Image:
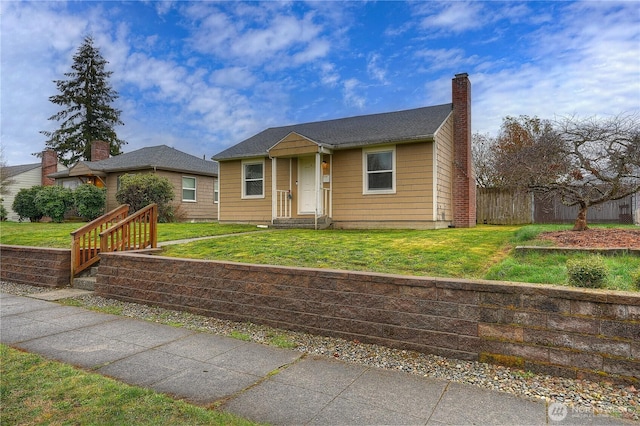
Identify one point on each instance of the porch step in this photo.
(85, 283)
(87, 279)
(301, 223)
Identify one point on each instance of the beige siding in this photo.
(444, 172)
(235, 209)
(412, 202)
(293, 145)
(203, 209)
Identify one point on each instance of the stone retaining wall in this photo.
(46, 267)
(555, 330)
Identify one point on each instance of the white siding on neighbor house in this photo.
(24, 180)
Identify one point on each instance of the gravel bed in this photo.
(586, 396)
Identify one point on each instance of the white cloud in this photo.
(351, 96)
(374, 69)
(457, 16)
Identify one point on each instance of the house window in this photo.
(379, 171)
(188, 188)
(216, 190)
(253, 179)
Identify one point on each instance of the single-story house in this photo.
(404, 169)
(25, 176)
(194, 179)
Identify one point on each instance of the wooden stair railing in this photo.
(136, 232)
(85, 241)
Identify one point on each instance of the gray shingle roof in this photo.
(391, 127)
(159, 157)
(11, 171)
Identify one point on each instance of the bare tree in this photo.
(585, 162)
(5, 179)
(483, 149)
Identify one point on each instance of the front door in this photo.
(306, 185)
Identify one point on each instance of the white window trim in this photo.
(254, 161)
(194, 189)
(365, 175)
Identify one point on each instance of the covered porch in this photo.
(301, 183)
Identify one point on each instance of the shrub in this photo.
(590, 272)
(25, 206)
(3, 212)
(54, 201)
(140, 190)
(635, 279)
(90, 201)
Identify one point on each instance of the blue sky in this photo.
(201, 76)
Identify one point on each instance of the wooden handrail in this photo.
(85, 241)
(136, 232)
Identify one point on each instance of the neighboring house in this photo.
(26, 176)
(405, 169)
(195, 180)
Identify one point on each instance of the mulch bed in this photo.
(595, 238)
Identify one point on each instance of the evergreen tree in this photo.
(87, 114)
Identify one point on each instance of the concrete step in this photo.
(85, 283)
(301, 223)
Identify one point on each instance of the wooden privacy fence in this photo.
(114, 231)
(496, 206)
(503, 207)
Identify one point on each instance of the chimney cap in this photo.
(462, 75)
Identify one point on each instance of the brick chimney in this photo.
(464, 186)
(49, 165)
(99, 150)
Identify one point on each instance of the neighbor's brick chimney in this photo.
(99, 150)
(464, 186)
(49, 165)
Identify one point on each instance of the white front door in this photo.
(306, 185)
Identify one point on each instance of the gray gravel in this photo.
(617, 400)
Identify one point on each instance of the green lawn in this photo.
(57, 235)
(35, 391)
(483, 252)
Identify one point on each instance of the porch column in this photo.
(274, 188)
(318, 183)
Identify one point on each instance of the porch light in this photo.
(325, 167)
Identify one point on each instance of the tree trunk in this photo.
(581, 220)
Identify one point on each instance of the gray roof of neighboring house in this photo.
(11, 171)
(159, 157)
(391, 127)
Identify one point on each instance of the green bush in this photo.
(54, 201)
(635, 279)
(140, 190)
(590, 272)
(90, 201)
(25, 206)
(3, 212)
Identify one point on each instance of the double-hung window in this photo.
(216, 190)
(188, 188)
(253, 179)
(379, 170)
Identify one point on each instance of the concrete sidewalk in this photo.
(258, 382)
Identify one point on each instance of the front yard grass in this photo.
(483, 252)
(462, 253)
(58, 235)
(36, 391)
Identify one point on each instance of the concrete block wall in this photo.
(45, 267)
(548, 329)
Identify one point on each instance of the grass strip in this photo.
(35, 391)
